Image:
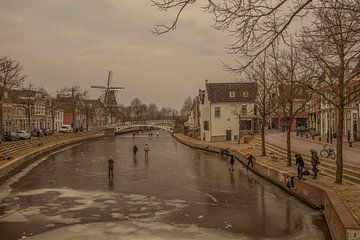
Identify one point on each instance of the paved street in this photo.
(178, 193)
(351, 155)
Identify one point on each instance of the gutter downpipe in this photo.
(210, 122)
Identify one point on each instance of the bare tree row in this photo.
(320, 60)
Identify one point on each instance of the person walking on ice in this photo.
(146, 150)
(111, 167)
(250, 160)
(135, 149)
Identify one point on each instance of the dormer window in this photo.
(245, 94)
(232, 94)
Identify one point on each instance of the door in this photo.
(228, 135)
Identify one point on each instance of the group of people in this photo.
(249, 158)
(151, 135)
(300, 164)
(135, 150)
(302, 170)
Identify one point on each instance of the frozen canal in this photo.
(178, 193)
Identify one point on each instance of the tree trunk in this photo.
(339, 146)
(74, 117)
(239, 130)
(263, 150)
(1, 118)
(288, 145)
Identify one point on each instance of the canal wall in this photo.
(16, 165)
(341, 223)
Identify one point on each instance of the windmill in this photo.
(109, 97)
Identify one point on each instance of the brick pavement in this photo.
(303, 145)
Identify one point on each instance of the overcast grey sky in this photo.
(76, 42)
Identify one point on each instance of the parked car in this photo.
(47, 132)
(10, 136)
(65, 129)
(23, 134)
(37, 132)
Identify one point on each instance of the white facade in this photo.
(219, 121)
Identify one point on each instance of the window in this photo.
(245, 125)
(206, 125)
(243, 110)
(217, 112)
(245, 94)
(232, 94)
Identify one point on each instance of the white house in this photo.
(221, 107)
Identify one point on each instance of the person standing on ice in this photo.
(111, 167)
(146, 150)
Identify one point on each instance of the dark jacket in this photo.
(299, 161)
(314, 159)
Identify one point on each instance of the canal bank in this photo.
(15, 164)
(339, 218)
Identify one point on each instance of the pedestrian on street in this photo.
(157, 134)
(314, 162)
(232, 160)
(111, 167)
(250, 160)
(146, 150)
(300, 165)
(135, 149)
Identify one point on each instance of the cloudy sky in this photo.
(76, 42)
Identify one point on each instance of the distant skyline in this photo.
(76, 42)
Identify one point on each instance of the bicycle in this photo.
(328, 152)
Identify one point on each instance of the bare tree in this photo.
(236, 110)
(11, 76)
(259, 73)
(136, 108)
(255, 25)
(75, 94)
(332, 49)
(51, 105)
(186, 109)
(153, 111)
(243, 110)
(291, 96)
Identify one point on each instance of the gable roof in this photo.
(220, 92)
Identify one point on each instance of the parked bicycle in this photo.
(328, 152)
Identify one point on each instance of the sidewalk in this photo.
(22, 153)
(303, 145)
(319, 190)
